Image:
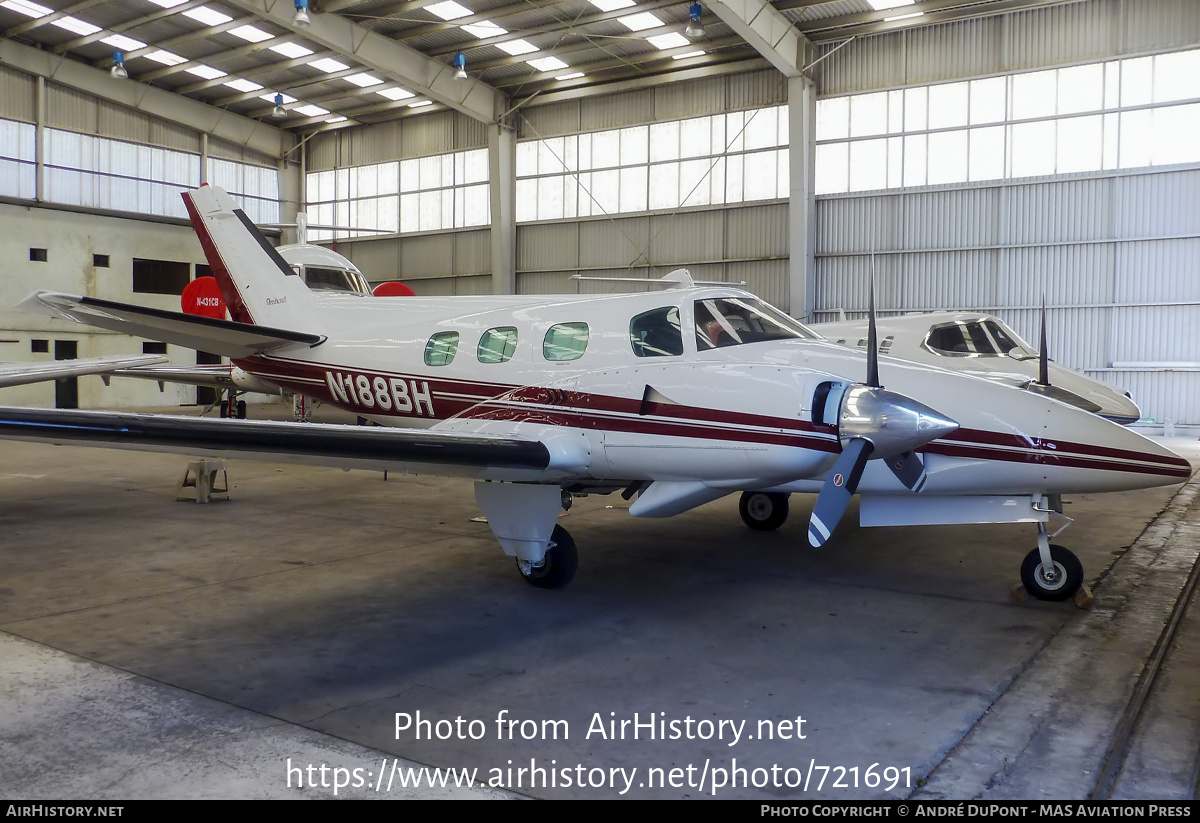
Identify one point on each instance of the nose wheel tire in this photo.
(1059, 583)
(763, 511)
(557, 568)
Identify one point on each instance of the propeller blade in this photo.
(1043, 352)
(909, 469)
(839, 487)
(872, 344)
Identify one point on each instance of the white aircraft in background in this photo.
(679, 396)
(983, 345)
(20, 374)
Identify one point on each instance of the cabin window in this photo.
(656, 333)
(497, 345)
(565, 341)
(440, 349)
(729, 321)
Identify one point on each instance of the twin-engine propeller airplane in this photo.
(679, 396)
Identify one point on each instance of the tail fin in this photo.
(257, 284)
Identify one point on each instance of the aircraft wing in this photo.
(215, 375)
(18, 374)
(418, 451)
(225, 337)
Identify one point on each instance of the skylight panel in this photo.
(328, 65)
(640, 22)
(250, 33)
(120, 41)
(420, 103)
(310, 110)
(25, 7)
(292, 50)
(270, 98)
(363, 80)
(669, 41)
(449, 10)
(207, 16)
(572, 76)
(395, 94)
(484, 29)
(341, 118)
(686, 55)
(611, 5)
(548, 64)
(165, 57)
(168, 4)
(75, 25)
(904, 16)
(880, 5)
(243, 85)
(206, 72)
(517, 47)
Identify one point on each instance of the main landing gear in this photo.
(557, 568)
(763, 511)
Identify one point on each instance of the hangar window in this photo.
(151, 347)
(565, 341)
(160, 276)
(39, 346)
(733, 321)
(37, 255)
(497, 345)
(440, 349)
(1128, 113)
(656, 333)
(18, 163)
(100, 261)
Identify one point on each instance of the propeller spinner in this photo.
(874, 423)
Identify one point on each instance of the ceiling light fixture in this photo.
(301, 18)
(695, 28)
(118, 69)
(460, 66)
(279, 111)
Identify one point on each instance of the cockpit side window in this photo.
(948, 339)
(727, 321)
(656, 333)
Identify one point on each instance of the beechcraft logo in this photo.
(275, 301)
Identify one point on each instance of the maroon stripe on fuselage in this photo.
(570, 408)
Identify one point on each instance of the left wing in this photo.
(18, 374)
(417, 451)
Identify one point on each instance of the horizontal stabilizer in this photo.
(18, 374)
(363, 447)
(224, 337)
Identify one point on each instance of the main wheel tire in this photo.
(241, 410)
(763, 511)
(558, 566)
(1062, 584)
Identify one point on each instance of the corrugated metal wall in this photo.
(1115, 254)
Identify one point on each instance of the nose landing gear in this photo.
(1051, 572)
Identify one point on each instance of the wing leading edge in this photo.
(19, 374)
(377, 448)
(224, 337)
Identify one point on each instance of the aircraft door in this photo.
(66, 390)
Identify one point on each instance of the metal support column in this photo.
(802, 213)
(39, 142)
(502, 165)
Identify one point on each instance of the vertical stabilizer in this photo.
(256, 283)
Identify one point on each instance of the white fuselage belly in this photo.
(735, 417)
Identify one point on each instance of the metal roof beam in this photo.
(770, 33)
(37, 22)
(933, 11)
(147, 99)
(393, 60)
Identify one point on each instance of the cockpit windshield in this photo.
(732, 321)
(319, 278)
(979, 338)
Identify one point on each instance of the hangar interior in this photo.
(986, 155)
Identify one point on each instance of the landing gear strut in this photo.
(557, 568)
(763, 511)
(1051, 572)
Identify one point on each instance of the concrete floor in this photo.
(153, 648)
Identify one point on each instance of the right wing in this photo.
(417, 451)
(18, 374)
(214, 375)
(225, 337)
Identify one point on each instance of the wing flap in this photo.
(419, 451)
(224, 337)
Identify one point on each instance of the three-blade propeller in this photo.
(874, 423)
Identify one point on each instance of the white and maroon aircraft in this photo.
(679, 396)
